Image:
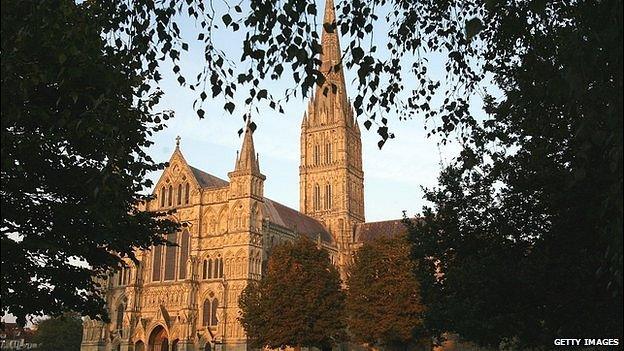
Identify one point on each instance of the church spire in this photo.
(331, 55)
(247, 160)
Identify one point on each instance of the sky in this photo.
(393, 176)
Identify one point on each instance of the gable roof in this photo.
(372, 230)
(296, 221)
(207, 180)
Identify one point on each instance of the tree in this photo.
(524, 240)
(59, 333)
(383, 299)
(75, 125)
(298, 302)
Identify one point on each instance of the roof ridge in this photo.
(213, 180)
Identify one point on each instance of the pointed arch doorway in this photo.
(158, 340)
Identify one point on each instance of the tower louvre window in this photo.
(317, 154)
(317, 197)
(328, 196)
(328, 153)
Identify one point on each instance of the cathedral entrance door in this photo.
(158, 340)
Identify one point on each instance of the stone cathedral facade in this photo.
(185, 297)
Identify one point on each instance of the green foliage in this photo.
(383, 299)
(298, 302)
(75, 125)
(524, 242)
(59, 333)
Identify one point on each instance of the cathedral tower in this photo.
(331, 177)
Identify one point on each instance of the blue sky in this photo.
(393, 176)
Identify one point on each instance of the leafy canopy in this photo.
(383, 298)
(523, 243)
(59, 333)
(75, 125)
(298, 302)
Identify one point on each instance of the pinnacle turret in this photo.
(246, 160)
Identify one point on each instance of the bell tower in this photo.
(330, 173)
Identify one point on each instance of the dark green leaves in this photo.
(229, 106)
(311, 315)
(473, 27)
(227, 19)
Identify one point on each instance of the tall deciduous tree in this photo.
(298, 302)
(383, 298)
(59, 333)
(75, 125)
(526, 228)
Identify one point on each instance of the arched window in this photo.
(162, 197)
(170, 196)
(316, 199)
(187, 193)
(184, 253)
(209, 314)
(317, 154)
(206, 313)
(220, 267)
(120, 311)
(216, 268)
(328, 153)
(213, 316)
(328, 196)
(209, 269)
(156, 262)
(179, 194)
(170, 257)
(205, 270)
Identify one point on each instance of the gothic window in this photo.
(209, 269)
(206, 313)
(156, 261)
(317, 197)
(328, 153)
(184, 248)
(328, 196)
(162, 197)
(213, 316)
(215, 268)
(170, 257)
(317, 154)
(123, 276)
(170, 196)
(205, 270)
(220, 267)
(179, 194)
(209, 315)
(120, 312)
(187, 193)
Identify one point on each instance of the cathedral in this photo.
(185, 297)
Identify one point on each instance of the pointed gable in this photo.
(179, 167)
